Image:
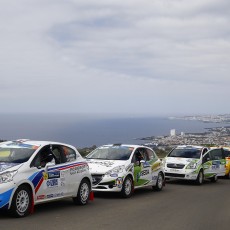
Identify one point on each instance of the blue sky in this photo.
(138, 57)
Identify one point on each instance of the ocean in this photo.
(86, 131)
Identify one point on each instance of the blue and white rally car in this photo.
(33, 172)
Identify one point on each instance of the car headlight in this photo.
(192, 165)
(116, 170)
(7, 176)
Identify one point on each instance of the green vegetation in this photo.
(86, 150)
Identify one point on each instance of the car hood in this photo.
(180, 160)
(8, 166)
(103, 166)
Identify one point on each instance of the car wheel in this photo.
(83, 193)
(214, 179)
(127, 188)
(228, 175)
(200, 178)
(21, 202)
(160, 182)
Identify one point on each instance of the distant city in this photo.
(212, 136)
(222, 118)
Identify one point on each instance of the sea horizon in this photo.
(87, 130)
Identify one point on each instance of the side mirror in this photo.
(49, 164)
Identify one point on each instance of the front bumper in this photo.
(184, 174)
(6, 190)
(104, 183)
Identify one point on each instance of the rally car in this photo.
(123, 168)
(224, 152)
(33, 172)
(194, 163)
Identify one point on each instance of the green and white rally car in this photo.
(123, 168)
(194, 163)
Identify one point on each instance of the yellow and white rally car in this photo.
(123, 168)
(225, 151)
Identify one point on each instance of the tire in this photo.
(214, 179)
(21, 202)
(160, 182)
(127, 187)
(200, 178)
(227, 176)
(83, 193)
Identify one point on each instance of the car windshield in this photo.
(185, 153)
(111, 153)
(16, 153)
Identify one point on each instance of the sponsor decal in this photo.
(78, 169)
(55, 195)
(103, 163)
(45, 175)
(114, 175)
(146, 164)
(64, 172)
(41, 197)
(52, 183)
(72, 171)
(144, 172)
(53, 174)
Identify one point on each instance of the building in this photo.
(172, 132)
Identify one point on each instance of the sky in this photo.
(138, 57)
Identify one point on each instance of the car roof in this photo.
(33, 142)
(125, 145)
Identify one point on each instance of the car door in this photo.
(47, 178)
(142, 168)
(73, 170)
(218, 161)
(155, 163)
(207, 165)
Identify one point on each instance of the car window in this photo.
(43, 157)
(185, 153)
(15, 152)
(138, 155)
(69, 154)
(216, 154)
(144, 154)
(206, 157)
(115, 152)
(151, 154)
(226, 153)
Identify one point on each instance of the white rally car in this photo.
(123, 168)
(194, 163)
(33, 172)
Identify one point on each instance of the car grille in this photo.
(175, 175)
(97, 178)
(175, 166)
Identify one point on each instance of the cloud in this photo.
(55, 51)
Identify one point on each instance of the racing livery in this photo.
(194, 163)
(123, 168)
(33, 172)
(224, 152)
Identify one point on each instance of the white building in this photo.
(172, 132)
